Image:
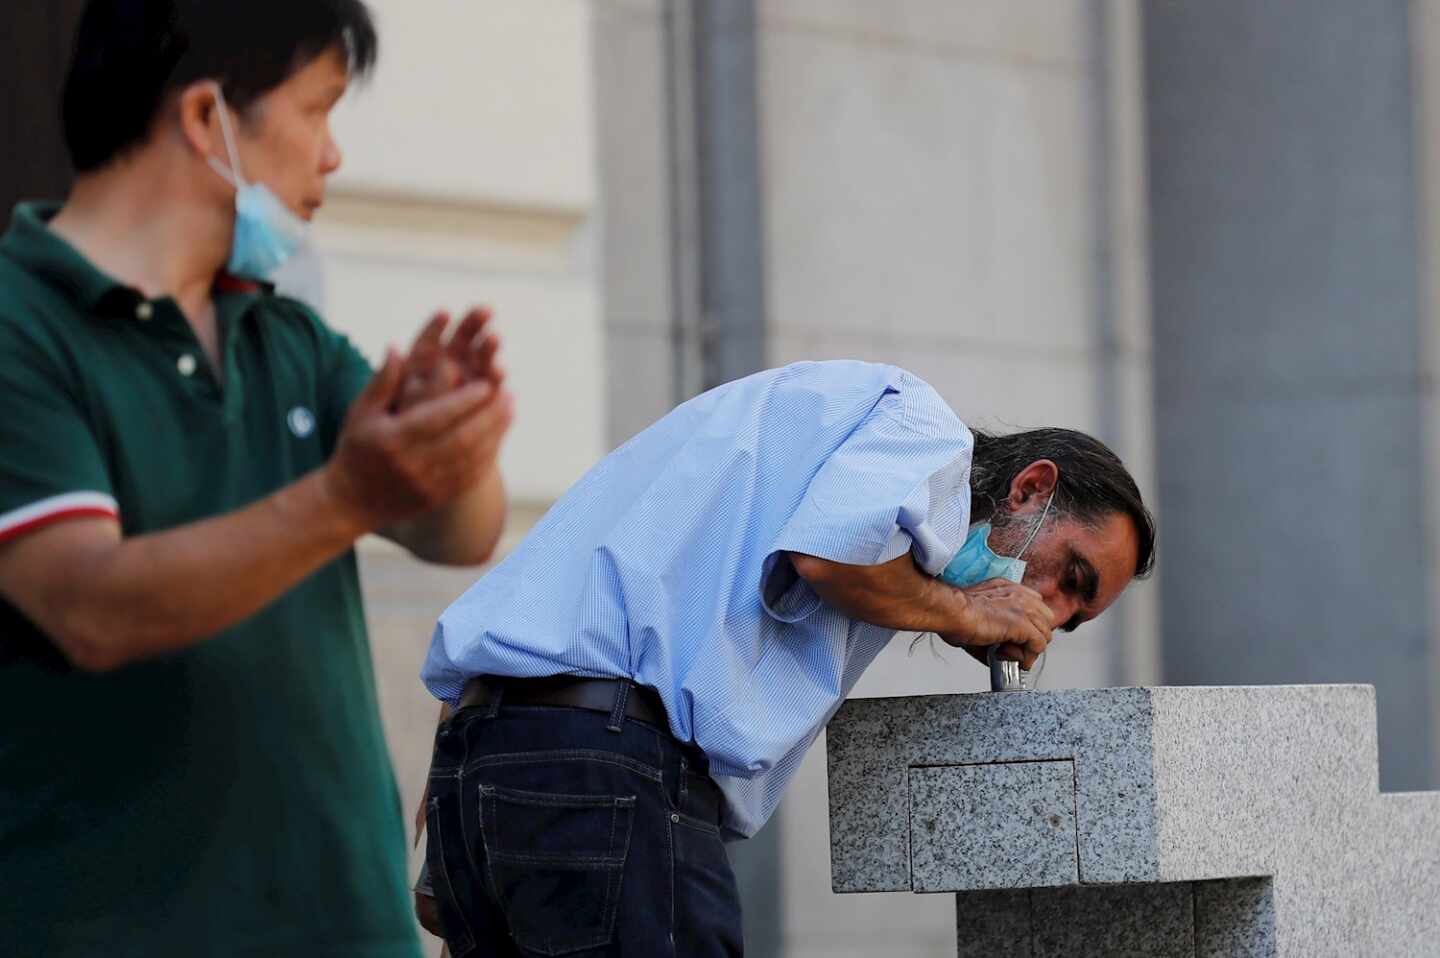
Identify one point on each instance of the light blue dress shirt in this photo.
(665, 562)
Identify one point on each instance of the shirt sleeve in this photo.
(52, 465)
(898, 483)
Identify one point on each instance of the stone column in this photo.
(1287, 319)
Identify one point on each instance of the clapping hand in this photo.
(436, 366)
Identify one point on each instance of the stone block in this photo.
(968, 831)
(873, 744)
(1117, 921)
(993, 924)
(1235, 919)
(1207, 821)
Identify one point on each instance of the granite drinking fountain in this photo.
(1155, 822)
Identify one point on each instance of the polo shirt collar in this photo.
(31, 243)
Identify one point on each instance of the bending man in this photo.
(642, 676)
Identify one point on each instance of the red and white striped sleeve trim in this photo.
(71, 505)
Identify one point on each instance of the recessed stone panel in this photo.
(1009, 825)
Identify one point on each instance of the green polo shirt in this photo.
(235, 798)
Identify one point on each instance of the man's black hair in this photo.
(1093, 483)
(131, 55)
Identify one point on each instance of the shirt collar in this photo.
(32, 244)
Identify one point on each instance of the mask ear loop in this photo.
(1036, 531)
(233, 176)
(1034, 679)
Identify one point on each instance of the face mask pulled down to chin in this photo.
(267, 232)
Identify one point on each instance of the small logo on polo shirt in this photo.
(302, 422)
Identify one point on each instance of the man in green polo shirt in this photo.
(191, 758)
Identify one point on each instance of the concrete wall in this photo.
(469, 177)
(947, 191)
(636, 233)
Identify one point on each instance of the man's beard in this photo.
(1009, 532)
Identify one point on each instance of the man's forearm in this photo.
(132, 598)
(897, 595)
(893, 595)
(463, 533)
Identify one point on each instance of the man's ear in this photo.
(1036, 480)
(199, 111)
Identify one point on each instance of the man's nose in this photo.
(1062, 606)
(330, 159)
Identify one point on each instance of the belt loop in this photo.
(622, 701)
(495, 690)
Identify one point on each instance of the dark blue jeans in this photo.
(550, 834)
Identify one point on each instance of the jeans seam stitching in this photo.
(465, 832)
(690, 821)
(539, 799)
(469, 943)
(568, 755)
(614, 814)
(670, 861)
(579, 862)
(612, 888)
(489, 854)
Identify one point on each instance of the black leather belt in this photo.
(597, 695)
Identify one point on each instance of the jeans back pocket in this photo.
(555, 864)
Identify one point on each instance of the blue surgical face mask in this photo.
(976, 562)
(267, 232)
